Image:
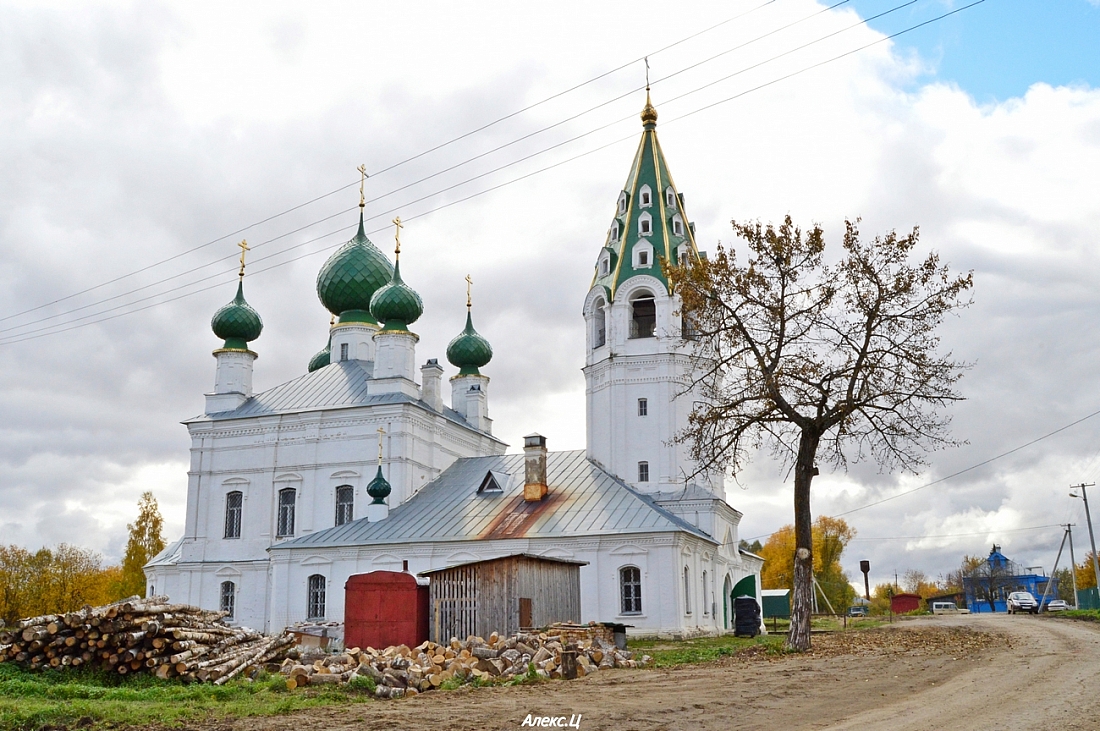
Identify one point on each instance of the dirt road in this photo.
(974, 672)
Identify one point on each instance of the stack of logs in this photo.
(142, 635)
(400, 671)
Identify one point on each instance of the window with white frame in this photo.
(677, 226)
(645, 196)
(615, 231)
(642, 254)
(315, 598)
(643, 407)
(345, 504)
(670, 197)
(687, 590)
(645, 225)
(622, 203)
(605, 266)
(643, 472)
(630, 589)
(228, 601)
(285, 526)
(343, 351)
(234, 503)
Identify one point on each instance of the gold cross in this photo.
(362, 181)
(244, 247)
(647, 73)
(469, 285)
(397, 234)
(381, 433)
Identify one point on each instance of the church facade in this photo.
(359, 465)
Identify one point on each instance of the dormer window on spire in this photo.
(677, 225)
(645, 196)
(645, 224)
(614, 232)
(622, 203)
(670, 197)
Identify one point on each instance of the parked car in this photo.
(948, 608)
(857, 611)
(1056, 605)
(1022, 601)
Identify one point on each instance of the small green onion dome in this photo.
(320, 360)
(378, 488)
(237, 323)
(396, 305)
(469, 351)
(351, 276)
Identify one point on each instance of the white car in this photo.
(947, 608)
(1056, 605)
(1022, 601)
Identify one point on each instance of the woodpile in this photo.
(142, 636)
(402, 671)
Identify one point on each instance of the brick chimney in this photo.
(534, 452)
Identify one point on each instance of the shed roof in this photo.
(339, 385)
(502, 558)
(583, 500)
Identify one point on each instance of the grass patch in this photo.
(667, 653)
(1090, 615)
(33, 700)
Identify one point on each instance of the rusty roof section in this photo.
(532, 556)
(583, 500)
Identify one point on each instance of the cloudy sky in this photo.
(139, 142)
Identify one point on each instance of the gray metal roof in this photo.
(533, 556)
(583, 500)
(338, 385)
(169, 556)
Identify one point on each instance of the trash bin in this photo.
(746, 617)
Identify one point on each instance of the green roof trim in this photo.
(237, 323)
(469, 351)
(351, 276)
(648, 173)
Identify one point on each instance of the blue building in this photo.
(989, 584)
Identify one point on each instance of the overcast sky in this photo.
(131, 134)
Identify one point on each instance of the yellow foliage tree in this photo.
(830, 537)
(1086, 576)
(52, 581)
(146, 541)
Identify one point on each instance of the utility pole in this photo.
(1092, 537)
(1054, 571)
(1072, 563)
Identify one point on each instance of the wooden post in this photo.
(569, 662)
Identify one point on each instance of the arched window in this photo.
(345, 503)
(630, 589)
(643, 321)
(670, 197)
(285, 526)
(706, 606)
(643, 472)
(228, 601)
(645, 224)
(599, 324)
(315, 599)
(234, 503)
(622, 203)
(645, 196)
(687, 590)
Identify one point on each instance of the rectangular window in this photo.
(343, 351)
(316, 597)
(286, 513)
(705, 605)
(643, 257)
(630, 588)
(228, 598)
(643, 407)
(234, 502)
(345, 503)
(643, 472)
(687, 591)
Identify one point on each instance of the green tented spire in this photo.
(649, 210)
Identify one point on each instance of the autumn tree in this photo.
(818, 363)
(830, 537)
(146, 541)
(49, 581)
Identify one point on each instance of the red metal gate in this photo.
(384, 608)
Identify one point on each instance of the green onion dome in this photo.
(320, 360)
(396, 305)
(469, 351)
(378, 488)
(351, 276)
(237, 323)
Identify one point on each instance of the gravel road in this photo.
(970, 672)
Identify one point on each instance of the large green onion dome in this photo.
(320, 360)
(237, 323)
(378, 488)
(469, 351)
(396, 305)
(351, 276)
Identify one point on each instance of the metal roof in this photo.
(169, 556)
(583, 500)
(569, 561)
(338, 385)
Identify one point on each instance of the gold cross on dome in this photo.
(244, 247)
(469, 286)
(397, 234)
(362, 181)
(381, 433)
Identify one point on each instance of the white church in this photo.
(359, 465)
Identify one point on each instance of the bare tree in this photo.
(817, 362)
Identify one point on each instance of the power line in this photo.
(41, 332)
(19, 337)
(399, 163)
(960, 535)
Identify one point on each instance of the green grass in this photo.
(1092, 615)
(33, 700)
(666, 653)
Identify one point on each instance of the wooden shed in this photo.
(902, 603)
(503, 595)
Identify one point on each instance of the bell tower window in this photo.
(599, 324)
(643, 321)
